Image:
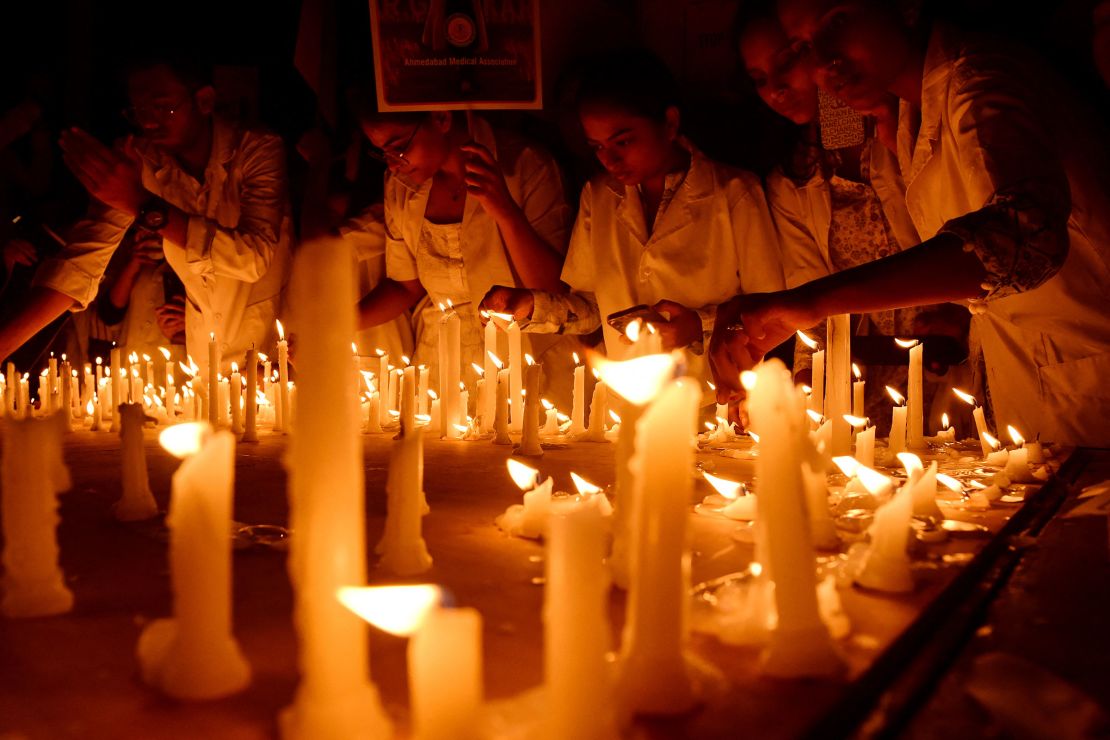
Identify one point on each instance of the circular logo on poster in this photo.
(461, 30)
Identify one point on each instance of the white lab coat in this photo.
(1007, 161)
(235, 260)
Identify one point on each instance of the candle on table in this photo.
(653, 675)
(481, 402)
(137, 502)
(68, 382)
(171, 390)
(213, 381)
(250, 397)
(516, 377)
(865, 440)
(980, 420)
(599, 409)
(551, 420)
(838, 383)
(235, 399)
(501, 419)
(408, 400)
(886, 566)
(194, 655)
(800, 644)
(576, 624)
(822, 436)
(997, 456)
(946, 433)
(402, 546)
(817, 373)
(578, 408)
(93, 409)
(435, 420)
(117, 398)
(422, 389)
(49, 395)
(924, 488)
(489, 373)
(148, 369)
(450, 360)
(32, 473)
(444, 655)
(915, 435)
(858, 386)
(335, 697)
(897, 440)
(283, 417)
(1017, 464)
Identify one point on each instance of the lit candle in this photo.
(402, 546)
(800, 644)
(373, 426)
(117, 398)
(530, 436)
(578, 409)
(501, 420)
(171, 390)
(213, 381)
(422, 389)
(408, 400)
(250, 425)
(576, 625)
(924, 487)
(865, 441)
(897, 441)
(489, 410)
(528, 519)
(137, 502)
(516, 377)
(886, 566)
(551, 420)
(32, 473)
(436, 416)
(858, 386)
(817, 372)
(235, 399)
(444, 656)
(450, 366)
(980, 420)
(383, 388)
(946, 433)
(335, 697)
(838, 390)
(821, 526)
(599, 410)
(49, 395)
(915, 435)
(283, 416)
(653, 676)
(482, 401)
(194, 655)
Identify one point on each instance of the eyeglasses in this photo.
(137, 114)
(395, 153)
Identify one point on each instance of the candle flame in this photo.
(855, 421)
(709, 426)
(944, 421)
(585, 488)
(848, 465)
(89, 407)
(1015, 435)
(495, 360)
(99, 360)
(754, 436)
(992, 441)
(399, 610)
(910, 462)
(874, 481)
(711, 384)
(478, 369)
(146, 357)
(807, 340)
(855, 371)
(433, 395)
(806, 389)
(183, 440)
(524, 476)
(632, 331)
(727, 488)
(461, 428)
(906, 343)
(561, 417)
(368, 379)
(405, 359)
(165, 353)
(234, 367)
(950, 483)
(965, 397)
(547, 405)
(898, 398)
(528, 360)
(577, 360)
(748, 380)
(263, 357)
(816, 417)
(614, 416)
(280, 328)
(756, 569)
(379, 352)
(638, 380)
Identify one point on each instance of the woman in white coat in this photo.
(1006, 182)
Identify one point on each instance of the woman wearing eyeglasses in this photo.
(466, 208)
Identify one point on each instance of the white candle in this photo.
(865, 447)
(93, 409)
(897, 441)
(373, 425)
(821, 526)
(32, 473)
(578, 410)
(49, 396)
(838, 384)
(422, 390)
(235, 399)
(489, 373)
(536, 516)
(501, 420)
(599, 411)
(516, 378)
(117, 386)
(250, 397)
(800, 644)
(402, 546)
(817, 395)
(445, 675)
(194, 655)
(859, 407)
(576, 625)
(335, 697)
(436, 416)
(452, 411)
(886, 566)
(408, 399)
(11, 390)
(1017, 464)
(383, 389)
(653, 676)
(915, 436)
(137, 502)
(213, 381)
(530, 435)
(283, 417)
(551, 421)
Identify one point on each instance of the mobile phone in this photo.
(620, 320)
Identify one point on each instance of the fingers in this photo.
(496, 300)
(480, 153)
(669, 309)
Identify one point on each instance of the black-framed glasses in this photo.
(395, 153)
(136, 114)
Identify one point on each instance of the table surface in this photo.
(76, 675)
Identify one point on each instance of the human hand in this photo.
(485, 181)
(171, 319)
(749, 326)
(19, 252)
(111, 175)
(681, 328)
(517, 302)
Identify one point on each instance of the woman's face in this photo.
(781, 71)
(631, 147)
(412, 151)
(859, 48)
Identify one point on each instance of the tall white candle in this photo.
(516, 378)
(284, 415)
(838, 382)
(489, 410)
(213, 381)
(422, 390)
(117, 385)
(136, 502)
(897, 441)
(865, 447)
(530, 436)
(576, 625)
(859, 407)
(335, 697)
(578, 409)
(886, 566)
(501, 420)
(235, 399)
(449, 373)
(915, 436)
(800, 644)
(373, 425)
(599, 411)
(383, 389)
(32, 473)
(408, 399)
(194, 655)
(402, 546)
(250, 397)
(445, 675)
(817, 394)
(653, 676)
